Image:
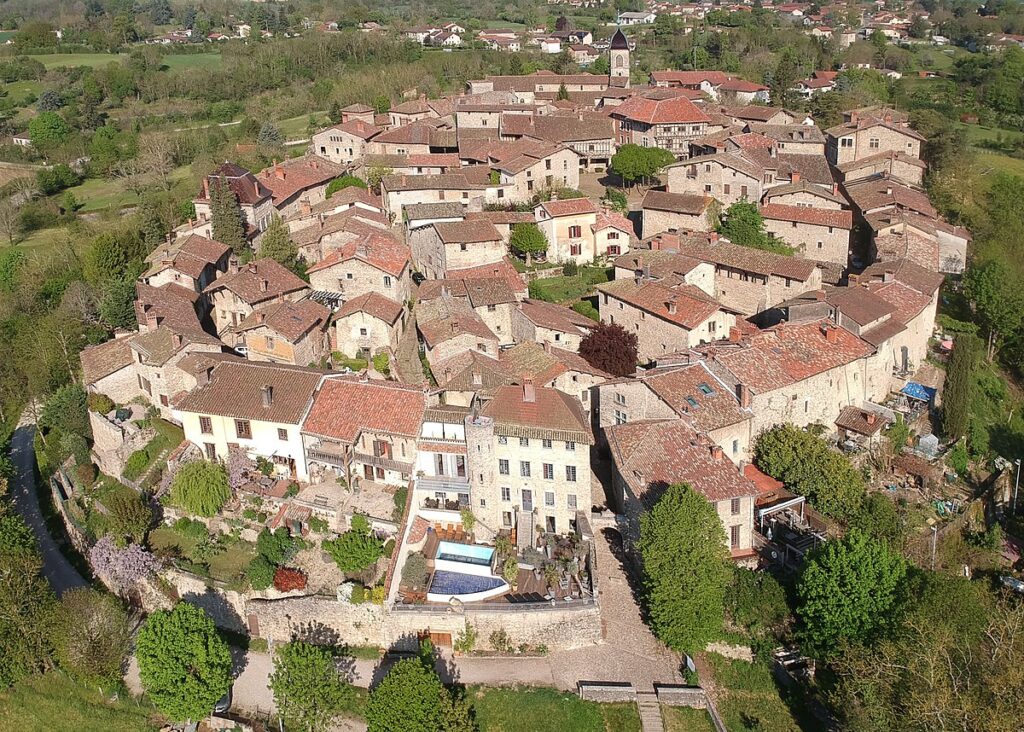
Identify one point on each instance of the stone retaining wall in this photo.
(606, 691)
(682, 696)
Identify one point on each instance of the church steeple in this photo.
(618, 59)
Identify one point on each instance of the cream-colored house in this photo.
(454, 245)
(345, 142)
(258, 284)
(368, 324)
(374, 264)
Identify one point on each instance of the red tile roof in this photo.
(236, 390)
(288, 178)
(550, 412)
(504, 269)
(373, 304)
(105, 359)
(259, 281)
(808, 215)
(290, 320)
(569, 207)
(344, 407)
(466, 232)
(678, 110)
(691, 78)
(683, 305)
(697, 395)
(377, 251)
(358, 128)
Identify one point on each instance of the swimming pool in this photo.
(467, 553)
(446, 585)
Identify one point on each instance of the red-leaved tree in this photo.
(287, 579)
(611, 348)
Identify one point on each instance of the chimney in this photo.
(734, 335)
(771, 151)
(835, 189)
(232, 264)
(152, 321)
(888, 275)
(203, 375)
(191, 223)
(888, 190)
(477, 378)
(206, 188)
(263, 284)
(713, 237)
(305, 207)
(260, 316)
(716, 452)
(831, 333)
(268, 395)
(178, 340)
(870, 418)
(547, 346)
(671, 305)
(795, 176)
(251, 267)
(743, 395)
(529, 393)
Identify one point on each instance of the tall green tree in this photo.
(201, 488)
(847, 592)
(226, 216)
(958, 390)
(48, 130)
(743, 224)
(277, 244)
(309, 691)
(94, 635)
(685, 569)
(635, 163)
(411, 698)
(998, 299)
(528, 240)
(184, 664)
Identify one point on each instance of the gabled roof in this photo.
(808, 215)
(290, 320)
(378, 251)
(549, 413)
(357, 128)
(568, 207)
(555, 317)
(697, 395)
(529, 360)
(236, 389)
(678, 110)
(684, 305)
(189, 255)
(344, 407)
(259, 281)
(242, 183)
(747, 259)
(373, 304)
(105, 359)
(867, 122)
(466, 232)
(693, 204)
(288, 178)
(449, 317)
(803, 186)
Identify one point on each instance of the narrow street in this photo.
(56, 568)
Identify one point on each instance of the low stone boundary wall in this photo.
(728, 650)
(678, 695)
(606, 691)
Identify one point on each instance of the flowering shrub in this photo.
(286, 579)
(123, 567)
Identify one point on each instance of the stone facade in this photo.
(655, 222)
(353, 277)
(434, 258)
(820, 243)
(361, 331)
(710, 177)
(558, 170)
(846, 144)
(750, 293)
(265, 344)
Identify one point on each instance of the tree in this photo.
(744, 225)
(344, 181)
(376, 174)
(880, 520)
(634, 163)
(48, 130)
(611, 348)
(528, 240)
(682, 543)
(276, 546)
(781, 79)
(847, 592)
(200, 487)
(226, 216)
(269, 136)
(381, 104)
(601, 66)
(563, 93)
(408, 699)
(998, 300)
(129, 517)
(308, 690)
(122, 567)
(94, 636)
(957, 395)
(184, 664)
(112, 256)
(755, 601)
(67, 410)
(277, 244)
(357, 548)
(117, 306)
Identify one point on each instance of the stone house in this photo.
(114, 440)
(410, 139)
(299, 181)
(665, 319)
(375, 264)
(540, 167)
(158, 352)
(727, 177)
(419, 110)
(503, 221)
(591, 136)
(568, 225)
(529, 460)
(818, 234)
(445, 246)
(367, 325)
(706, 82)
(191, 261)
(666, 123)
(662, 211)
(362, 430)
(255, 199)
(880, 193)
(667, 266)
(743, 115)
(287, 332)
(107, 368)
(541, 84)
(346, 142)
(491, 298)
(328, 232)
(449, 326)
(257, 407)
(794, 139)
(741, 91)
(258, 284)
(868, 136)
(469, 187)
(894, 163)
(649, 456)
(546, 365)
(548, 323)
(950, 241)
(809, 195)
(418, 215)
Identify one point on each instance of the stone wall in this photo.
(682, 696)
(606, 691)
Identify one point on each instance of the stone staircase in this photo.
(650, 711)
(524, 530)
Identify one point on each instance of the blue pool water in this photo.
(456, 583)
(466, 553)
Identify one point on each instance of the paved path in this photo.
(61, 575)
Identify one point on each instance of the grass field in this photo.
(525, 709)
(175, 61)
(684, 719)
(296, 128)
(749, 694)
(990, 161)
(18, 91)
(96, 194)
(56, 60)
(567, 290)
(54, 703)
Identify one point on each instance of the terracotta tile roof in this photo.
(290, 177)
(259, 281)
(746, 259)
(417, 133)
(859, 304)
(661, 264)
(817, 83)
(440, 181)
(887, 155)
(377, 251)
(691, 78)
(652, 455)
(504, 269)
(345, 406)
(466, 232)
(577, 128)
(882, 191)
(788, 353)
(373, 304)
(683, 305)
(484, 291)
(236, 389)
(788, 133)
(860, 421)
(883, 331)
(242, 183)
(172, 305)
(684, 203)
(555, 317)
(363, 224)
(440, 210)
(569, 207)
(157, 346)
(697, 395)
(105, 359)
(741, 85)
(907, 302)
(471, 371)
(752, 112)
(613, 220)
(448, 317)
(808, 215)
(290, 320)
(903, 270)
(908, 244)
(189, 255)
(507, 218)
(678, 110)
(750, 141)
(542, 364)
(550, 412)
(866, 122)
(349, 195)
(357, 128)
(803, 186)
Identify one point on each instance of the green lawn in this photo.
(994, 162)
(748, 693)
(685, 719)
(20, 90)
(526, 709)
(567, 290)
(54, 703)
(295, 128)
(175, 61)
(56, 60)
(165, 538)
(96, 194)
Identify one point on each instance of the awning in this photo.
(918, 391)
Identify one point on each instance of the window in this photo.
(735, 447)
(613, 235)
(506, 493)
(846, 142)
(502, 440)
(206, 425)
(483, 502)
(348, 276)
(362, 331)
(725, 189)
(620, 398)
(873, 143)
(243, 430)
(282, 434)
(506, 519)
(570, 501)
(575, 232)
(620, 417)
(707, 188)
(463, 247)
(524, 468)
(546, 444)
(211, 450)
(387, 280)
(575, 249)
(549, 471)
(821, 245)
(571, 446)
(549, 498)
(734, 537)
(524, 442)
(503, 467)
(734, 506)
(691, 401)
(570, 473)
(704, 388)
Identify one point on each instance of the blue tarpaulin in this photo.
(918, 391)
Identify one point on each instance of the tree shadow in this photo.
(317, 633)
(446, 669)
(225, 617)
(629, 569)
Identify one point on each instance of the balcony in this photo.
(436, 504)
(380, 461)
(443, 484)
(333, 456)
